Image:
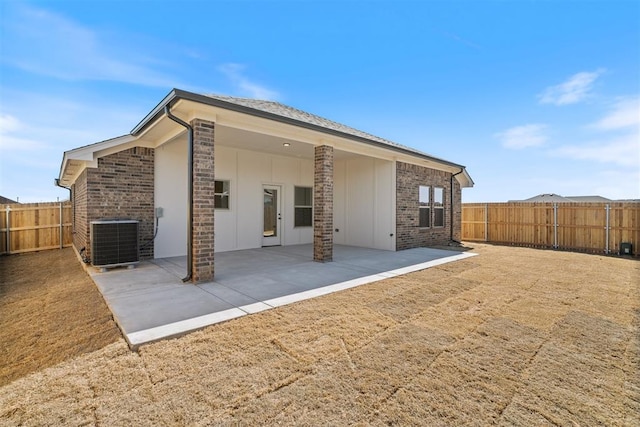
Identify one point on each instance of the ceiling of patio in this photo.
(253, 141)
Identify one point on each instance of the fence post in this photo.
(486, 222)
(555, 226)
(8, 224)
(61, 231)
(606, 228)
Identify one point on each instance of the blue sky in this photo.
(532, 96)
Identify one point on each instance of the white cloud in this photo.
(624, 114)
(574, 90)
(235, 72)
(45, 43)
(623, 150)
(9, 125)
(531, 135)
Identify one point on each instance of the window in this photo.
(424, 217)
(303, 206)
(438, 207)
(221, 195)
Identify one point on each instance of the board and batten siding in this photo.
(364, 199)
(364, 203)
(240, 226)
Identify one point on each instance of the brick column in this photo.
(323, 204)
(202, 238)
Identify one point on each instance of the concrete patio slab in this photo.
(150, 302)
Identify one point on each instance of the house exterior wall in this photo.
(323, 204)
(170, 174)
(364, 203)
(80, 223)
(457, 211)
(203, 213)
(408, 234)
(120, 187)
(240, 226)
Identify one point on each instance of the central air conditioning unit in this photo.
(114, 243)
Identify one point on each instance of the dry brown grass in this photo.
(50, 311)
(512, 337)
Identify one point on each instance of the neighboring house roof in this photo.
(544, 198)
(5, 201)
(259, 108)
(588, 199)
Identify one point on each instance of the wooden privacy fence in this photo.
(588, 227)
(35, 227)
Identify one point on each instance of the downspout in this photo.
(451, 221)
(190, 190)
(57, 183)
(73, 205)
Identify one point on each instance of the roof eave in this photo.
(177, 94)
(86, 153)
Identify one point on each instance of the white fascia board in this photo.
(88, 155)
(465, 179)
(88, 152)
(121, 147)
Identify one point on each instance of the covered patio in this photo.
(150, 302)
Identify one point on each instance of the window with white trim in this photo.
(424, 209)
(221, 194)
(438, 207)
(303, 206)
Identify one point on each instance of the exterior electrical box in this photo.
(114, 243)
(626, 249)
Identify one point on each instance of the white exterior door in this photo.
(272, 222)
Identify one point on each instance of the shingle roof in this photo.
(6, 201)
(282, 110)
(275, 111)
(588, 199)
(546, 198)
(293, 113)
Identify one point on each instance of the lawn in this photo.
(514, 336)
(50, 311)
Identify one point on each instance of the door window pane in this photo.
(270, 214)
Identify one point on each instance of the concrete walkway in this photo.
(150, 302)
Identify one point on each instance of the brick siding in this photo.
(203, 201)
(408, 180)
(80, 223)
(122, 186)
(323, 204)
